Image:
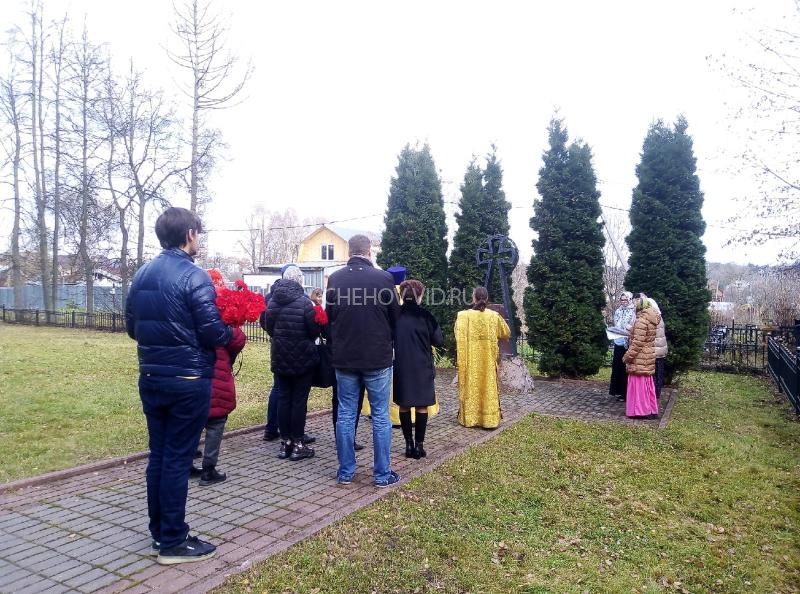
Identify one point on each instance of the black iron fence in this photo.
(743, 348)
(254, 332)
(783, 365)
(103, 321)
(736, 348)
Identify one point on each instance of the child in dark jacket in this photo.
(223, 401)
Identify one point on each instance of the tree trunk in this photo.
(86, 261)
(49, 303)
(140, 236)
(41, 221)
(16, 258)
(195, 145)
(124, 273)
(55, 268)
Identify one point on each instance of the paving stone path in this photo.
(88, 532)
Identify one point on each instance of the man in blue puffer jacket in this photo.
(172, 315)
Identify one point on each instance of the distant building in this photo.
(321, 253)
(721, 306)
(327, 245)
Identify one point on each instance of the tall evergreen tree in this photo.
(667, 259)
(495, 221)
(564, 302)
(415, 234)
(464, 272)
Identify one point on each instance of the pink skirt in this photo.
(641, 399)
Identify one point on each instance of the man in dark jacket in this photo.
(290, 322)
(172, 314)
(363, 307)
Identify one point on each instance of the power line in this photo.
(757, 232)
(772, 234)
(303, 226)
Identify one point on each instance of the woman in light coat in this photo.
(640, 360)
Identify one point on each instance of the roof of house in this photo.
(345, 233)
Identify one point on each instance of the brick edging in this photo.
(220, 578)
(59, 475)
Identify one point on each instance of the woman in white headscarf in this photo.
(624, 317)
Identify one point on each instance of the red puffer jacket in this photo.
(223, 387)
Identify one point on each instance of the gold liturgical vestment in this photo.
(477, 333)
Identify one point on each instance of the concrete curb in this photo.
(59, 475)
(218, 580)
(667, 416)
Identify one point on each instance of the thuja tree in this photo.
(495, 221)
(415, 234)
(464, 273)
(667, 258)
(563, 304)
(483, 212)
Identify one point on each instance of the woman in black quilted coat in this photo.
(291, 324)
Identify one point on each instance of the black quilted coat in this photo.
(290, 323)
(171, 312)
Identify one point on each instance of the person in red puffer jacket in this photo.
(223, 401)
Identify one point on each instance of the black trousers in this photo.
(658, 379)
(292, 404)
(335, 407)
(619, 373)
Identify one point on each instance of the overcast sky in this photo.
(340, 87)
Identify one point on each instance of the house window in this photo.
(327, 252)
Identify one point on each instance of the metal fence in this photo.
(107, 321)
(736, 348)
(783, 366)
(103, 321)
(743, 348)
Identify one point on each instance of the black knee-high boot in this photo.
(421, 425)
(405, 423)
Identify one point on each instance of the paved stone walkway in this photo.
(88, 533)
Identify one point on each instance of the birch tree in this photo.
(88, 216)
(11, 106)
(216, 80)
(57, 57)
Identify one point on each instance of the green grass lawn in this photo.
(70, 397)
(709, 504)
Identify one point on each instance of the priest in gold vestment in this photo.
(477, 332)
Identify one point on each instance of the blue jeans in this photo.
(378, 383)
(176, 411)
(272, 410)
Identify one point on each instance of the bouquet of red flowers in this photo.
(237, 305)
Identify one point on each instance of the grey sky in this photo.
(340, 87)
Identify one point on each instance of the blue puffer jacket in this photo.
(290, 322)
(172, 314)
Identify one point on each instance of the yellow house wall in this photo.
(311, 249)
